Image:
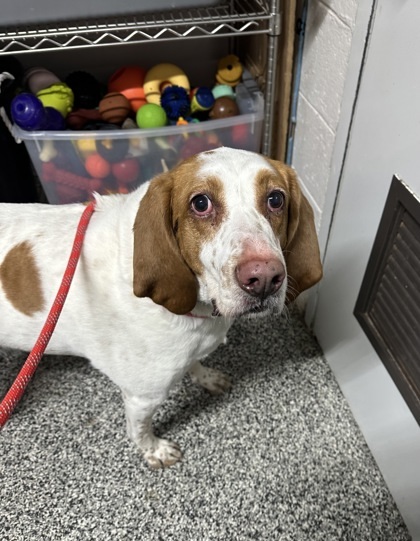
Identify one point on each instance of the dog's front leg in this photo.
(157, 452)
(215, 381)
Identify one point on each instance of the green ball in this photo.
(151, 115)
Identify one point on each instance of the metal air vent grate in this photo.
(388, 306)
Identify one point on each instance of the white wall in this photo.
(375, 136)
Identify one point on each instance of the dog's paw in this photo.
(163, 454)
(214, 381)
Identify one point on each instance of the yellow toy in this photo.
(58, 96)
(161, 76)
(229, 70)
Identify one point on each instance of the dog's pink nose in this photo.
(260, 277)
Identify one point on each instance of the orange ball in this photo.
(97, 166)
(129, 81)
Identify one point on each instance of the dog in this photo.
(164, 272)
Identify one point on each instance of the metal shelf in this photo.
(246, 17)
(231, 18)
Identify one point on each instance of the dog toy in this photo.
(38, 78)
(97, 166)
(229, 70)
(58, 96)
(151, 115)
(29, 113)
(114, 108)
(161, 76)
(202, 99)
(129, 81)
(194, 145)
(48, 152)
(78, 119)
(219, 91)
(125, 172)
(112, 150)
(175, 102)
(224, 108)
(86, 89)
(69, 186)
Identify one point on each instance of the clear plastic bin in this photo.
(62, 159)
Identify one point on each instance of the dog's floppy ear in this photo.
(160, 271)
(304, 268)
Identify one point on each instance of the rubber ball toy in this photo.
(114, 108)
(224, 108)
(129, 81)
(151, 115)
(126, 171)
(161, 76)
(97, 166)
(202, 99)
(223, 90)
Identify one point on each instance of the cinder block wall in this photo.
(328, 39)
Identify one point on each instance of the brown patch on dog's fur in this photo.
(193, 231)
(168, 236)
(266, 181)
(294, 225)
(20, 279)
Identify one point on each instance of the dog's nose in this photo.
(260, 277)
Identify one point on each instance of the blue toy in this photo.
(28, 113)
(202, 99)
(175, 101)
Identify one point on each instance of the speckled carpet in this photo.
(278, 458)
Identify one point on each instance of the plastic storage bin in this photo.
(128, 158)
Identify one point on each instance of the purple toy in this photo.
(28, 113)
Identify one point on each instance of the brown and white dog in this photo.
(163, 273)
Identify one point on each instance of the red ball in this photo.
(97, 166)
(240, 134)
(127, 170)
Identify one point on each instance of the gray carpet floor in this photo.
(278, 458)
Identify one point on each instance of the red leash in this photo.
(25, 375)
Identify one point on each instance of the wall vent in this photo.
(388, 305)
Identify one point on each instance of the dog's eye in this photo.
(201, 205)
(275, 200)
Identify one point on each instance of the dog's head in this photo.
(229, 228)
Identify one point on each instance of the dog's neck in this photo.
(202, 311)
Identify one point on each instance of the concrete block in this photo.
(345, 10)
(325, 61)
(313, 148)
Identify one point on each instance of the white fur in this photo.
(141, 346)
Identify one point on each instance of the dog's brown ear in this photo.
(304, 268)
(160, 271)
